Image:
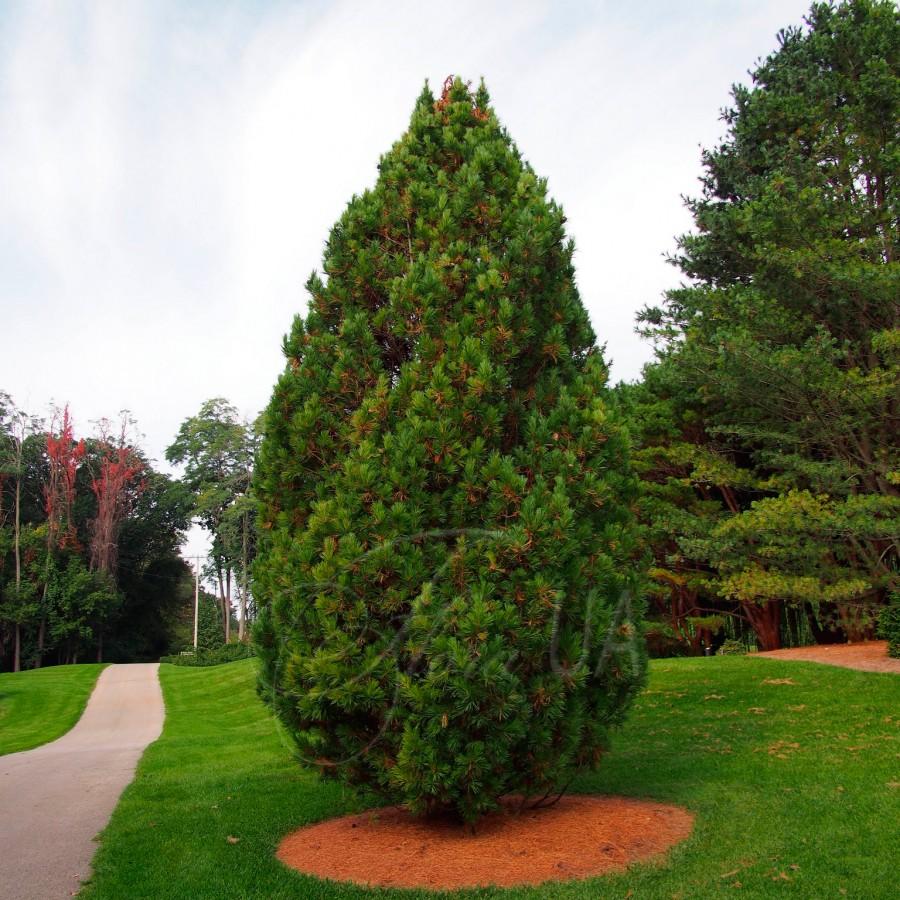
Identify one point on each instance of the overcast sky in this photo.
(169, 171)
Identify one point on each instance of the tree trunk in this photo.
(765, 619)
(823, 635)
(228, 604)
(242, 624)
(100, 647)
(42, 628)
(853, 622)
(17, 527)
(221, 581)
(17, 652)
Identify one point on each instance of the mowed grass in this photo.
(792, 770)
(40, 705)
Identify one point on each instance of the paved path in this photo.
(55, 798)
(869, 656)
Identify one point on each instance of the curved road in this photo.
(56, 798)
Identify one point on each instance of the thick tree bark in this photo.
(765, 619)
(17, 649)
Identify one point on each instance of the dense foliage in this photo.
(768, 428)
(446, 538)
(89, 539)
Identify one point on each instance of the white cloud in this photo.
(169, 171)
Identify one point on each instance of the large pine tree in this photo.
(446, 535)
(782, 353)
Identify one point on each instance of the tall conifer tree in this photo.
(446, 536)
(782, 352)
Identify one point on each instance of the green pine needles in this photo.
(447, 547)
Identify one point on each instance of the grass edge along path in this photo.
(792, 769)
(40, 705)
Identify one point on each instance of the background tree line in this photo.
(89, 543)
(766, 431)
(90, 538)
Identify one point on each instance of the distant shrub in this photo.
(226, 653)
(732, 648)
(889, 625)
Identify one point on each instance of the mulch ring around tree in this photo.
(579, 837)
(868, 656)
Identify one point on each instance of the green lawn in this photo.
(39, 705)
(795, 786)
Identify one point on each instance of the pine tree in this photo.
(786, 340)
(209, 623)
(446, 536)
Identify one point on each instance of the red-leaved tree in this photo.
(64, 455)
(117, 484)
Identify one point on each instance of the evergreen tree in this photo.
(446, 540)
(689, 487)
(787, 340)
(209, 624)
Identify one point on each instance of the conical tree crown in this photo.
(444, 499)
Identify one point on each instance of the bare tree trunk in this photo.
(42, 628)
(242, 611)
(100, 647)
(228, 604)
(221, 581)
(17, 526)
(242, 624)
(17, 530)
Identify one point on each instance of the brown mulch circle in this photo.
(869, 656)
(579, 837)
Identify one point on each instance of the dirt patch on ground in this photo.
(579, 837)
(870, 656)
